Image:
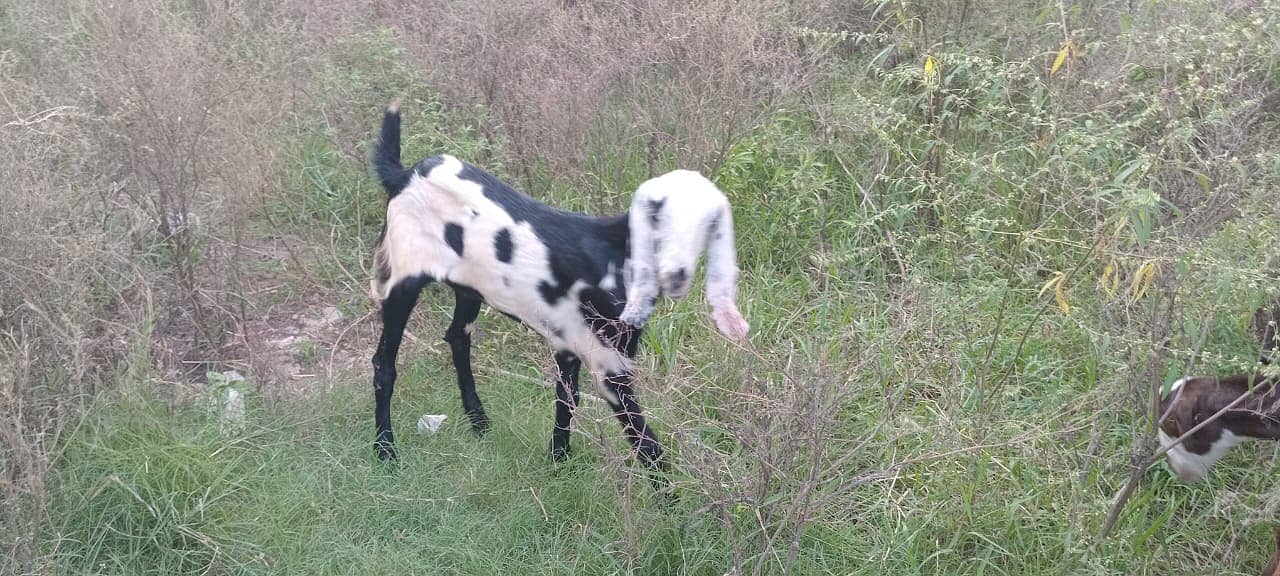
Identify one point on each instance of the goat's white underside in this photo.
(1192, 467)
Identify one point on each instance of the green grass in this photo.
(152, 491)
(143, 489)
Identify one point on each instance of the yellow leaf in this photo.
(1066, 49)
(1057, 277)
(1109, 279)
(1060, 294)
(1058, 284)
(1144, 278)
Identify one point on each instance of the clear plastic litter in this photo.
(430, 423)
(227, 399)
(233, 412)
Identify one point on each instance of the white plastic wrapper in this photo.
(227, 400)
(430, 423)
(233, 411)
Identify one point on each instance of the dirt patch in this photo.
(303, 346)
(289, 334)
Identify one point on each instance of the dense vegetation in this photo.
(976, 238)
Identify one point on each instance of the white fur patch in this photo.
(608, 282)
(1192, 467)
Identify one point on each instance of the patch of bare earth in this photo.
(288, 335)
(303, 346)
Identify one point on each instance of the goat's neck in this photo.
(616, 230)
(1257, 417)
(1263, 424)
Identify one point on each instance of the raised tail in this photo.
(386, 154)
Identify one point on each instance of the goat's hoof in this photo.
(668, 497)
(385, 452)
(560, 452)
(479, 423)
(634, 320)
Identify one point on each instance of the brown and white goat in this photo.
(1193, 400)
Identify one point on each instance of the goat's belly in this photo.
(561, 323)
(520, 299)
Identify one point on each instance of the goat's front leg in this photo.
(642, 286)
(628, 412)
(465, 311)
(568, 366)
(395, 314)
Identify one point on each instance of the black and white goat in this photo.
(563, 274)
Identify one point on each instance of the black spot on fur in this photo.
(502, 245)
(601, 309)
(550, 292)
(679, 281)
(655, 211)
(424, 167)
(453, 237)
(565, 274)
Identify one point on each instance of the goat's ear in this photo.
(1177, 413)
(1174, 424)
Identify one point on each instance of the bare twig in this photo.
(40, 116)
(1158, 336)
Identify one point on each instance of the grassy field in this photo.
(976, 238)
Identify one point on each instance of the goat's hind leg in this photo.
(465, 310)
(395, 314)
(568, 366)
